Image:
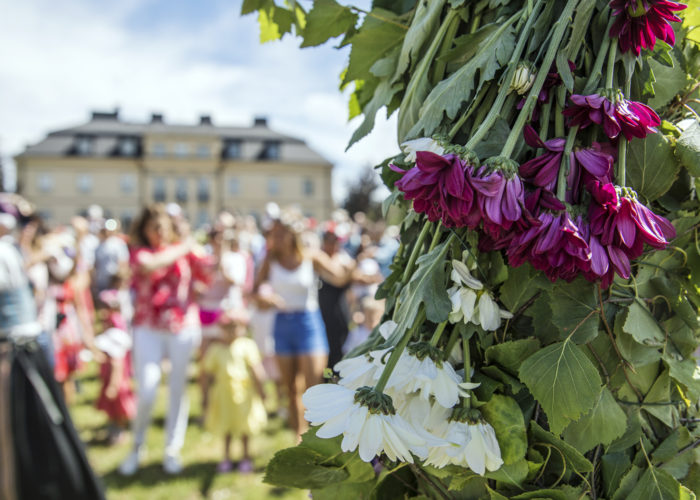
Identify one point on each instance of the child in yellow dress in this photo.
(234, 368)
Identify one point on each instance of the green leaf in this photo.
(497, 374)
(504, 414)
(573, 457)
(632, 434)
(657, 484)
(299, 467)
(541, 313)
(642, 326)
(512, 475)
(426, 286)
(614, 467)
(629, 481)
(382, 96)
(269, 29)
(380, 32)
(563, 380)
(327, 19)
(604, 423)
(250, 6)
(448, 95)
(494, 495)
(511, 354)
(575, 310)
(671, 80)
(687, 373)
(466, 46)
(544, 493)
(660, 392)
(425, 22)
(634, 352)
(651, 167)
(688, 149)
(522, 284)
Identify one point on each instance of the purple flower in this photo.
(586, 166)
(632, 118)
(639, 23)
(438, 187)
(542, 170)
(552, 80)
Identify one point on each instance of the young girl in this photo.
(236, 401)
(116, 396)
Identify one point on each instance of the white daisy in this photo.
(423, 144)
(472, 445)
(340, 410)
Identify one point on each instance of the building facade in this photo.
(205, 168)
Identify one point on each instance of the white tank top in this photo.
(297, 287)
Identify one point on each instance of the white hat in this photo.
(114, 342)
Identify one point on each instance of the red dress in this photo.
(67, 342)
(123, 406)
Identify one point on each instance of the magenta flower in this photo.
(632, 118)
(438, 187)
(623, 222)
(640, 22)
(586, 166)
(542, 170)
(552, 80)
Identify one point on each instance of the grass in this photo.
(200, 455)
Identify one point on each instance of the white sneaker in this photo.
(172, 465)
(131, 464)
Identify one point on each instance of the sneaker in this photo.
(245, 467)
(172, 465)
(224, 466)
(131, 464)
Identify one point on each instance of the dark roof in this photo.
(106, 129)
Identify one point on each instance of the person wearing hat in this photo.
(41, 455)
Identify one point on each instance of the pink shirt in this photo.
(163, 298)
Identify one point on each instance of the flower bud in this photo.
(523, 79)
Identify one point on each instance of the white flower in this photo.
(490, 315)
(335, 409)
(387, 328)
(523, 78)
(473, 445)
(463, 301)
(361, 370)
(461, 276)
(423, 144)
(420, 413)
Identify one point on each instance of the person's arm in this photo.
(234, 268)
(330, 270)
(117, 373)
(152, 261)
(257, 373)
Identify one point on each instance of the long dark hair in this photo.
(138, 227)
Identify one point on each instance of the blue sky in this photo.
(182, 58)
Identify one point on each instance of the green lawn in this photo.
(200, 455)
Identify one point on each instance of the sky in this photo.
(183, 58)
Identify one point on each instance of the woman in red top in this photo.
(166, 325)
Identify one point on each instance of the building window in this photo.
(181, 149)
(234, 186)
(45, 183)
(181, 189)
(158, 149)
(271, 151)
(273, 186)
(128, 146)
(202, 218)
(127, 182)
(126, 219)
(233, 149)
(203, 151)
(83, 146)
(308, 187)
(84, 183)
(159, 189)
(203, 189)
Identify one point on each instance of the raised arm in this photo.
(330, 270)
(148, 262)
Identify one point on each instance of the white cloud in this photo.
(63, 59)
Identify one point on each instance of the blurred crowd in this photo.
(249, 301)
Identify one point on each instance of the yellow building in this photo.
(205, 168)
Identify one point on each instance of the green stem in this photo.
(447, 39)
(452, 341)
(544, 119)
(475, 23)
(559, 29)
(597, 70)
(565, 166)
(474, 105)
(622, 146)
(559, 129)
(396, 353)
(610, 70)
(436, 237)
(438, 333)
(505, 87)
(416, 250)
(466, 402)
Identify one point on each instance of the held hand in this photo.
(111, 392)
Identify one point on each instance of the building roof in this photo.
(106, 129)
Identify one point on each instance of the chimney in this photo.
(205, 120)
(106, 115)
(260, 121)
(156, 117)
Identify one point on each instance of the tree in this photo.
(359, 197)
